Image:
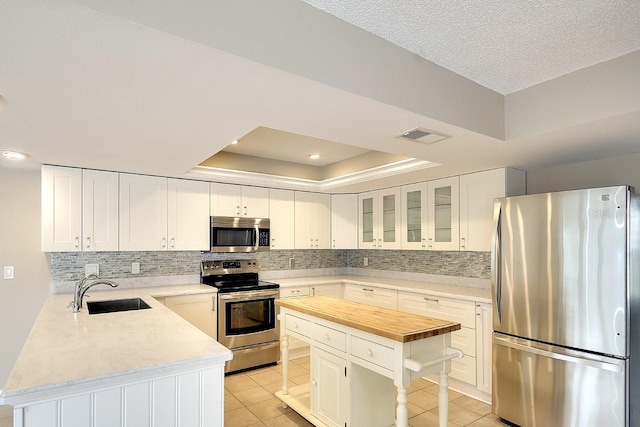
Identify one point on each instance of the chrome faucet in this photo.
(83, 285)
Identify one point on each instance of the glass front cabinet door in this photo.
(380, 220)
(414, 216)
(443, 215)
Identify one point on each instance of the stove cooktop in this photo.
(233, 276)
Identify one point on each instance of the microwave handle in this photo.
(255, 248)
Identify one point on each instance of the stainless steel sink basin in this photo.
(99, 307)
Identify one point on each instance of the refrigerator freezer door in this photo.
(559, 273)
(540, 385)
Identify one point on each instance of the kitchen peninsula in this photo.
(141, 367)
(359, 354)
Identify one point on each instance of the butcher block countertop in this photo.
(392, 324)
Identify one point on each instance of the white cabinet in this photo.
(477, 191)
(329, 397)
(312, 220)
(61, 209)
(100, 223)
(188, 215)
(443, 213)
(414, 216)
(484, 332)
(294, 291)
(333, 290)
(239, 201)
(454, 310)
(282, 217)
(344, 221)
(379, 219)
(371, 295)
(197, 309)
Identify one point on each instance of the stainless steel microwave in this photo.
(233, 234)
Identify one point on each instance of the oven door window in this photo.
(245, 317)
(222, 236)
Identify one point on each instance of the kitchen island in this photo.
(143, 367)
(361, 355)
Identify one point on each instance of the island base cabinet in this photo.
(329, 382)
(193, 399)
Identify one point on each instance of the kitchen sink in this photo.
(99, 307)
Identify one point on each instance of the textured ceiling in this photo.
(503, 45)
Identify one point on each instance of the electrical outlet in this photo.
(291, 262)
(92, 269)
(366, 261)
(135, 268)
(8, 272)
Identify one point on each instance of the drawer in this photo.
(378, 297)
(294, 291)
(330, 337)
(454, 310)
(373, 352)
(464, 370)
(298, 325)
(464, 340)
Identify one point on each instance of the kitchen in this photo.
(611, 122)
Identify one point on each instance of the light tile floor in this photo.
(249, 401)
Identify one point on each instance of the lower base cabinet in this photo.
(198, 309)
(329, 402)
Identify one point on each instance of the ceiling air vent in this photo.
(422, 135)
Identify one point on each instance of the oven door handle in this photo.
(244, 296)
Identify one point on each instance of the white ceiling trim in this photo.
(209, 173)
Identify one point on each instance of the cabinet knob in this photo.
(326, 337)
(369, 352)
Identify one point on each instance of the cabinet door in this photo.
(367, 220)
(226, 199)
(282, 217)
(390, 221)
(333, 290)
(484, 329)
(320, 220)
(344, 221)
(414, 216)
(99, 210)
(329, 394)
(200, 310)
(477, 191)
(188, 215)
(443, 214)
(143, 213)
(255, 202)
(303, 233)
(61, 209)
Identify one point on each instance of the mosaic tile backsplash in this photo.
(68, 266)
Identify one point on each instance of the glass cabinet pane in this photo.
(442, 219)
(414, 216)
(389, 218)
(367, 220)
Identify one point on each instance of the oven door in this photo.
(247, 318)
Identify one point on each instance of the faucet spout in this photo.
(83, 285)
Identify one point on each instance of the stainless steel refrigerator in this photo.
(566, 296)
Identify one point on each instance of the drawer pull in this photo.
(295, 325)
(326, 337)
(369, 352)
(367, 290)
(430, 299)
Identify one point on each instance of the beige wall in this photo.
(22, 297)
(599, 173)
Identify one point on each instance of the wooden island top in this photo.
(392, 324)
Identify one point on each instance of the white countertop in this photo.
(65, 348)
(437, 289)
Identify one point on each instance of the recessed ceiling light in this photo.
(234, 142)
(314, 156)
(14, 155)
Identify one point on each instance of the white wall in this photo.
(598, 173)
(22, 297)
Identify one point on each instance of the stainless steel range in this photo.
(247, 322)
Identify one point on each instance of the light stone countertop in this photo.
(72, 349)
(436, 289)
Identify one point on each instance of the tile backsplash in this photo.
(69, 266)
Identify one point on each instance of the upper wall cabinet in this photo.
(61, 209)
(99, 210)
(282, 218)
(477, 191)
(79, 210)
(239, 200)
(443, 213)
(188, 215)
(344, 221)
(379, 219)
(312, 220)
(143, 213)
(414, 216)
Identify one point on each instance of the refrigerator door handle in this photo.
(496, 275)
(558, 356)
